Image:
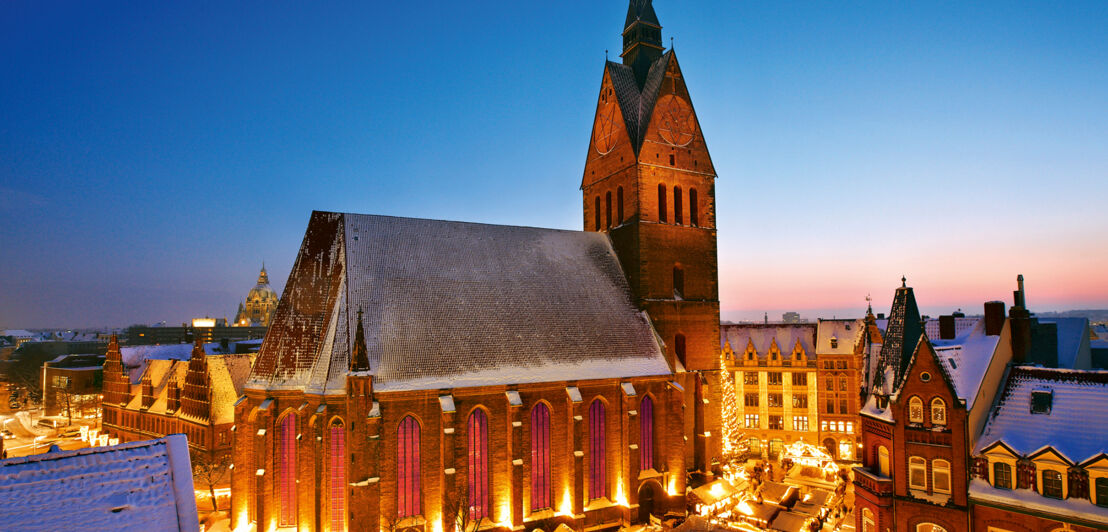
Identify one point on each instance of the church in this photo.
(437, 376)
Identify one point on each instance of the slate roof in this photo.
(638, 105)
(762, 336)
(1077, 425)
(139, 487)
(966, 358)
(641, 10)
(454, 304)
(901, 336)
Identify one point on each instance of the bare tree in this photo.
(210, 471)
(459, 511)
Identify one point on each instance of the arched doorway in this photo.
(831, 447)
(646, 502)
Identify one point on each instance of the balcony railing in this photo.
(872, 482)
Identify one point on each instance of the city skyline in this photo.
(156, 155)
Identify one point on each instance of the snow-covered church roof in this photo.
(453, 304)
(139, 487)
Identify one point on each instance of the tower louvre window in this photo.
(608, 210)
(678, 282)
(596, 213)
(678, 210)
(694, 209)
(661, 203)
(619, 205)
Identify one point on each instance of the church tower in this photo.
(649, 183)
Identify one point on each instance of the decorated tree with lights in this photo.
(735, 446)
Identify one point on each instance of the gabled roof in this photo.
(637, 106)
(139, 486)
(1076, 426)
(762, 336)
(966, 358)
(454, 304)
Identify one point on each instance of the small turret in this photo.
(642, 38)
(359, 358)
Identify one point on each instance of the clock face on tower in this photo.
(676, 125)
(604, 132)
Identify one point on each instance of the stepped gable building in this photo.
(152, 391)
(774, 369)
(1041, 463)
(261, 302)
(842, 347)
(419, 372)
(649, 183)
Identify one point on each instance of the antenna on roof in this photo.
(903, 282)
(671, 43)
(605, 54)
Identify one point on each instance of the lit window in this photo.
(1052, 484)
(842, 384)
(868, 523)
(646, 433)
(1002, 476)
(752, 421)
(800, 401)
(477, 432)
(915, 410)
(800, 423)
(917, 473)
(938, 412)
(846, 450)
(775, 423)
(775, 400)
(883, 461)
(540, 458)
(850, 427)
(286, 469)
(755, 445)
(750, 399)
(929, 527)
(823, 425)
(775, 378)
(338, 476)
(598, 473)
(750, 377)
(407, 468)
(940, 476)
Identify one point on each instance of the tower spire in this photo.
(359, 359)
(642, 38)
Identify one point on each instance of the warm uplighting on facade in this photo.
(505, 520)
(621, 497)
(566, 508)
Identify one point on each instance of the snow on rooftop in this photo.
(1028, 500)
(966, 358)
(139, 487)
(134, 355)
(846, 333)
(762, 336)
(454, 304)
(1076, 426)
(1071, 333)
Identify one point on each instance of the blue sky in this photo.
(153, 154)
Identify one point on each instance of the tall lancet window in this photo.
(477, 432)
(678, 217)
(646, 433)
(408, 487)
(286, 469)
(540, 458)
(338, 476)
(598, 464)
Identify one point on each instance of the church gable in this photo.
(670, 125)
(614, 120)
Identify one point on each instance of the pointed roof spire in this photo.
(901, 335)
(642, 38)
(359, 359)
(198, 350)
(263, 277)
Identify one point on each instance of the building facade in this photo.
(842, 348)
(188, 389)
(261, 301)
(71, 386)
(774, 370)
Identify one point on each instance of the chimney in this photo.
(946, 327)
(994, 317)
(1021, 326)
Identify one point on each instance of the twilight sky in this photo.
(153, 154)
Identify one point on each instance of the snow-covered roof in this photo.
(1076, 425)
(763, 335)
(18, 333)
(1073, 333)
(966, 358)
(961, 325)
(454, 304)
(846, 333)
(1028, 500)
(139, 486)
(134, 355)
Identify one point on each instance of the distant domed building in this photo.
(260, 303)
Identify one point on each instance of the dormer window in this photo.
(1042, 401)
(834, 343)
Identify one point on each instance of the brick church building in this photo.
(433, 376)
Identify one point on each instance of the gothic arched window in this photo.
(408, 488)
(661, 203)
(596, 213)
(678, 207)
(608, 209)
(598, 463)
(477, 432)
(678, 282)
(915, 410)
(540, 458)
(338, 475)
(938, 411)
(619, 205)
(286, 469)
(679, 348)
(646, 433)
(694, 209)
(883, 461)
